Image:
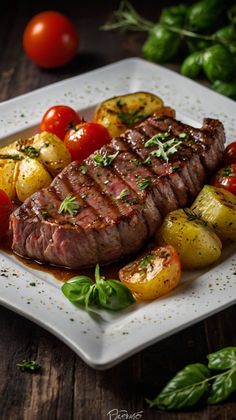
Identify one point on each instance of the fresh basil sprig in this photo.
(107, 294)
(196, 381)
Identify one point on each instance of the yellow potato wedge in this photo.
(196, 244)
(217, 207)
(52, 152)
(152, 275)
(7, 177)
(32, 177)
(122, 112)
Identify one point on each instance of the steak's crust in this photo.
(110, 225)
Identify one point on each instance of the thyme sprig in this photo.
(69, 205)
(166, 149)
(104, 160)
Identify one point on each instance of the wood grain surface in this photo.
(66, 388)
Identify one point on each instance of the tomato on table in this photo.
(59, 119)
(5, 211)
(230, 154)
(50, 39)
(154, 274)
(85, 138)
(226, 178)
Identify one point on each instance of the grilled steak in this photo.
(122, 194)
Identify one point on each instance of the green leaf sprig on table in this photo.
(198, 381)
(105, 294)
(28, 366)
(195, 30)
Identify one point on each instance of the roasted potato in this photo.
(217, 207)
(52, 152)
(8, 170)
(152, 275)
(196, 244)
(122, 112)
(32, 176)
(28, 165)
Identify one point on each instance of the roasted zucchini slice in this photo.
(217, 207)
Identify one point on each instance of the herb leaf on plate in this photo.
(106, 294)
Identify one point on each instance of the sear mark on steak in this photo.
(122, 203)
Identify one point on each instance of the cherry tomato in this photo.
(226, 178)
(50, 39)
(5, 211)
(153, 275)
(85, 138)
(230, 154)
(59, 119)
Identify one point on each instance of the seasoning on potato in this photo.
(122, 112)
(27, 165)
(196, 244)
(153, 275)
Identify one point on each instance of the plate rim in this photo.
(108, 361)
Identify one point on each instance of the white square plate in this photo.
(105, 342)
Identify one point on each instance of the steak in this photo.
(122, 193)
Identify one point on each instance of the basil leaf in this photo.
(185, 389)
(77, 288)
(223, 386)
(222, 359)
(107, 294)
(118, 296)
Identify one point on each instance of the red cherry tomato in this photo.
(50, 39)
(85, 138)
(5, 211)
(226, 178)
(230, 154)
(58, 119)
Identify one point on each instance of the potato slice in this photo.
(197, 245)
(122, 112)
(32, 177)
(217, 207)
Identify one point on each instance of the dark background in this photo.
(66, 388)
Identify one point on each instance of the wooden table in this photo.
(66, 388)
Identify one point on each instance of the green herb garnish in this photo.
(83, 169)
(175, 168)
(165, 150)
(69, 205)
(29, 366)
(122, 194)
(44, 213)
(144, 183)
(105, 294)
(30, 151)
(226, 171)
(131, 118)
(198, 381)
(193, 216)
(184, 136)
(104, 160)
(145, 261)
(154, 141)
(13, 157)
